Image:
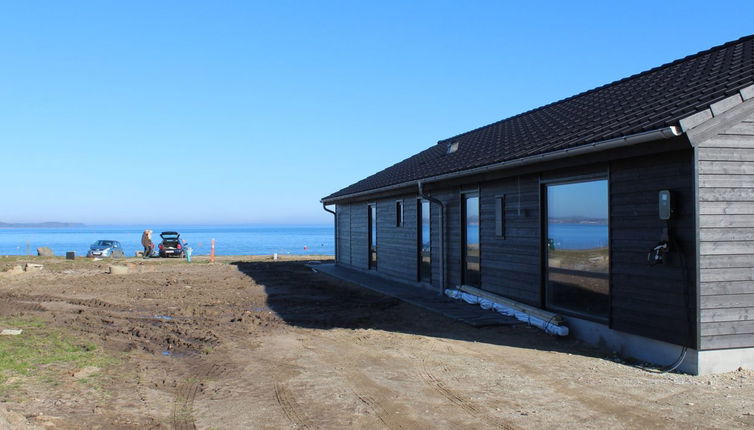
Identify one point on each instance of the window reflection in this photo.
(425, 249)
(471, 255)
(578, 258)
(372, 236)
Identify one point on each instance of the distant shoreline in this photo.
(50, 224)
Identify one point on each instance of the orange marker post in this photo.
(212, 252)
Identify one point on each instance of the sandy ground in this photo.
(249, 343)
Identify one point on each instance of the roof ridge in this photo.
(634, 76)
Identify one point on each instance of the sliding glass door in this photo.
(577, 248)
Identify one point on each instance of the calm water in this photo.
(578, 236)
(565, 236)
(229, 240)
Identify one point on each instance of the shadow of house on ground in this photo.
(303, 298)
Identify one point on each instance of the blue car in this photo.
(105, 248)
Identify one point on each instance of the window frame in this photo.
(544, 183)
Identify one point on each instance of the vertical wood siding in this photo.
(657, 302)
(726, 236)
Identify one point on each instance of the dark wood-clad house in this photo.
(628, 210)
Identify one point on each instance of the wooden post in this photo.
(212, 252)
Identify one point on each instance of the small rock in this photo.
(118, 270)
(689, 404)
(10, 332)
(29, 267)
(44, 251)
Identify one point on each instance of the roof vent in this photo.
(452, 147)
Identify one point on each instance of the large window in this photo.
(372, 226)
(424, 242)
(577, 248)
(471, 257)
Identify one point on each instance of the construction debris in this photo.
(33, 267)
(118, 270)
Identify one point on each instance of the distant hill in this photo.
(579, 220)
(51, 224)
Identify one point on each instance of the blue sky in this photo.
(250, 112)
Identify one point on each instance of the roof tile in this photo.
(649, 100)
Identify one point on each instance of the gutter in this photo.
(618, 142)
(335, 222)
(443, 281)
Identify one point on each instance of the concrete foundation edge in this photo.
(660, 353)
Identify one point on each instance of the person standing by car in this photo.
(146, 242)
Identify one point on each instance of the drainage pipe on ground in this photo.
(442, 234)
(335, 224)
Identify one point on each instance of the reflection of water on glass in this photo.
(578, 257)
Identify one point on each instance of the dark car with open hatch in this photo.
(171, 245)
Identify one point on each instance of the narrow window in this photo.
(399, 213)
(372, 239)
(424, 242)
(500, 217)
(471, 250)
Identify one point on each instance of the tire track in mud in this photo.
(182, 416)
(108, 320)
(283, 395)
(290, 407)
(408, 347)
(381, 401)
(599, 403)
(471, 408)
(91, 303)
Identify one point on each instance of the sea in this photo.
(229, 239)
(578, 236)
(235, 239)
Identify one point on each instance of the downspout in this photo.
(443, 281)
(335, 223)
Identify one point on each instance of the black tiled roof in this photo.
(646, 101)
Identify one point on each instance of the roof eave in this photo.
(618, 142)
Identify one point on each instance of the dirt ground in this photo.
(250, 343)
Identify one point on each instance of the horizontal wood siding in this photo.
(657, 302)
(396, 246)
(343, 234)
(435, 232)
(511, 262)
(726, 236)
(449, 197)
(359, 236)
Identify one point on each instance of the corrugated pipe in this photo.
(548, 326)
(442, 233)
